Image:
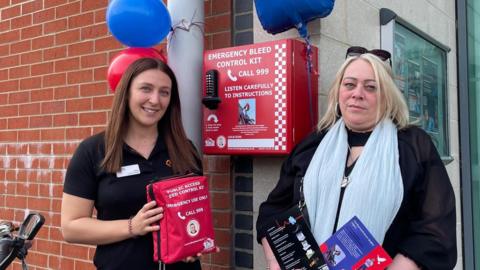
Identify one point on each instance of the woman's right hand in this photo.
(78, 225)
(271, 261)
(146, 219)
(272, 264)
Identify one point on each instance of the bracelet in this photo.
(130, 230)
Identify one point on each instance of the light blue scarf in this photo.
(376, 188)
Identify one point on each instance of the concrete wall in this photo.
(357, 23)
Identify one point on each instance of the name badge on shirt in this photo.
(128, 170)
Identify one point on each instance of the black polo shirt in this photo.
(119, 196)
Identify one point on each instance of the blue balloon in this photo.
(138, 23)
(278, 16)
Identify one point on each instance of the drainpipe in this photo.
(185, 57)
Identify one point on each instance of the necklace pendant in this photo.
(345, 182)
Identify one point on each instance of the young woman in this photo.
(144, 140)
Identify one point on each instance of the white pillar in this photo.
(185, 57)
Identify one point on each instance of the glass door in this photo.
(473, 29)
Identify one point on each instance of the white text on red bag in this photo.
(186, 227)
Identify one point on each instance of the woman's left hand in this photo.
(191, 259)
(401, 262)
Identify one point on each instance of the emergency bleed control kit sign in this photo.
(266, 105)
(186, 228)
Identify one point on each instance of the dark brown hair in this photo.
(181, 151)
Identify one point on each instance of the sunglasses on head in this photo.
(357, 51)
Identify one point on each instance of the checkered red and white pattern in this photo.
(280, 97)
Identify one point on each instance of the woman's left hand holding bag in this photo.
(191, 259)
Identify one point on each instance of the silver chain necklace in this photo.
(345, 179)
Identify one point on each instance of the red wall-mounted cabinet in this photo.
(265, 104)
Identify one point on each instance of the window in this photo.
(419, 65)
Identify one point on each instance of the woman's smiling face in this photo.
(358, 98)
(149, 97)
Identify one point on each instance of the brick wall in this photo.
(218, 169)
(54, 56)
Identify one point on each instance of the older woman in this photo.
(365, 160)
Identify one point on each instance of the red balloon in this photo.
(126, 57)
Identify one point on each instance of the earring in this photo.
(338, 113)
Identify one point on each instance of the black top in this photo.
(354, 139)
(119, 198)
(357, 138)
(424, 228)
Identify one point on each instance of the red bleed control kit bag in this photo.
(186, 227)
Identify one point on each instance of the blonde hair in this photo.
(391, 101)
